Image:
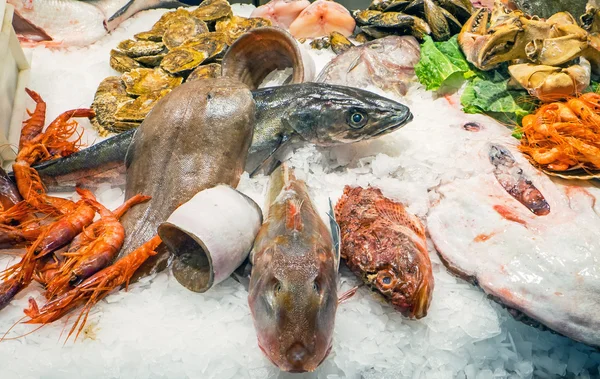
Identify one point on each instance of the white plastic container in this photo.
(14, 75)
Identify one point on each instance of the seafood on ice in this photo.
(293, 285)
(387, 63)
(74, 22)
(386, 247)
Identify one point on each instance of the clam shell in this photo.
(259, 52)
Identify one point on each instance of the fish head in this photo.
(293, 305)
(330, 114)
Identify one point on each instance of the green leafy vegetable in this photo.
(492, 97)
(442, 64)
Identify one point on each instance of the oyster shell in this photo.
(211, 70)
(181, 30)
(151, 60)
(110, 95)
(144, 81)
(121, 62)
(135, 49)
(183, 59)
(136, 110)
(235, 26)
(212, 10)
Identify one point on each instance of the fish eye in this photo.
(277, 287)
(357, 119)
(316, 286)
(386, 280)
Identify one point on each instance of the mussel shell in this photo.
(397, 6)
(362, 37)
(180, 31)
(376, 32)
(415, 7)
(379, 5)
(363, 17)
(339, 43)
(436, 18)
(392, 20)
(459, 9)
(212, 10)
(320, 43)
(121, 62)
(135, 49)
(453, 23)
(259, 52)
(183, 59)
(211, 70)
(578, 174)
(143, 81)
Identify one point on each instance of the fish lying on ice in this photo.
(542, 264)
(75, 22)
(321, 18)
(293, 286)
(281, 12)
(385, 245)
(387, 63)
(284, 115)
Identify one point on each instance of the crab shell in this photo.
(512, 35)
(549, 83)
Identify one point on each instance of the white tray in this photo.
(14, 75)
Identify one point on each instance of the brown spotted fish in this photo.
(385, 245)
(293, 286)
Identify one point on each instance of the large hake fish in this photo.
(317, 113)
(293, 286)
(195, 138)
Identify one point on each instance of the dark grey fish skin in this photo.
(546, 8)
(135, 6)
(195, 138)
(319, 113)
(313, 112)
(87, 168)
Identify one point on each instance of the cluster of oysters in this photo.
(182, 46)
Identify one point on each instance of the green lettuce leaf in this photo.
(442, 64)
(492, 97)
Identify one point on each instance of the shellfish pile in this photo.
(181, 46)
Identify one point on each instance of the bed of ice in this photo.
(161, 330)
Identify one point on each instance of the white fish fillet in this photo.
(68, 22)
(547, 267)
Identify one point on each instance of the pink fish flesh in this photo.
(321, 18)
(281, 12)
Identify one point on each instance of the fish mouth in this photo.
(396, 125)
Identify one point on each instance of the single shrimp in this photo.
(35, 124)
(92, 290)
(17, 236)
(94, 248)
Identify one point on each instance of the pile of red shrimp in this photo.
(562, 136)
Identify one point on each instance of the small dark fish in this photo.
(514, 181)
(134, 6)
(318, 113)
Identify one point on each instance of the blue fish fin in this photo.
(270, 163)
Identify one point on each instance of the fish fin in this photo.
(347, 295)
(335, 234)
(396, 213)
(293, 216)
(270, 163)
(28, 31)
